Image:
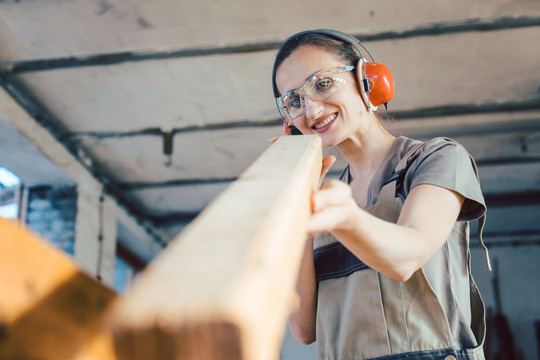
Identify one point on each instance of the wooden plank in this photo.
(224, 287)
(49, 309)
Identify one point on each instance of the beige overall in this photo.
(366, 315)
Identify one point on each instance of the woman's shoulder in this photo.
(446, 163)
(403, 144)
(437, 147)
(441, 142)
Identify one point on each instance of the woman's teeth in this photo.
(326, 122)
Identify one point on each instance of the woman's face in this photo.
(335, 118)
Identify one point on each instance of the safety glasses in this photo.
(319, 86)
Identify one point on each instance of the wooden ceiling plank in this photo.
(122, 25)
(432, 29)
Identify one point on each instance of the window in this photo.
(9, 194)
(127, 267)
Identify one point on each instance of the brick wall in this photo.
(52, 212)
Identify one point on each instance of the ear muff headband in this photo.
(374, 80)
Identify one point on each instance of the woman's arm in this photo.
(396, 250)
(302, 320)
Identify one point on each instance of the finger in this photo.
(324, 222)
(327, 164)
(331, 193)
(335, 185)
(273, 140)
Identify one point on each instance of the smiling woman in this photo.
(386, 271)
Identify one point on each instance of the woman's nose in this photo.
(313, 107)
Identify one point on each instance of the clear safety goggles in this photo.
(319, 86)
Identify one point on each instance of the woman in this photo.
(388, 271)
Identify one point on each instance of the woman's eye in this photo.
(293, 102)
(323, 84)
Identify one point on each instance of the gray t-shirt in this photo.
(442, 162)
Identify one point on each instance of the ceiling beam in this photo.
(188, 129)
(25, 116)
(174, 183)
(434, 29)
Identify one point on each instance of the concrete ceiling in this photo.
(111, 79)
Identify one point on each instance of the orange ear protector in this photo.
(375, 82)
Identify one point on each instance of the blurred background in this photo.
(120, 120)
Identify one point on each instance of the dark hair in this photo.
(345, 50)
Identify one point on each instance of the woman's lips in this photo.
(325, 124)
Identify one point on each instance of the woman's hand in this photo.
(332, 207)
(327, 163)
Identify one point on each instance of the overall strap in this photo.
(408, 158)
(404, 164)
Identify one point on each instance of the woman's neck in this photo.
(366, 149)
